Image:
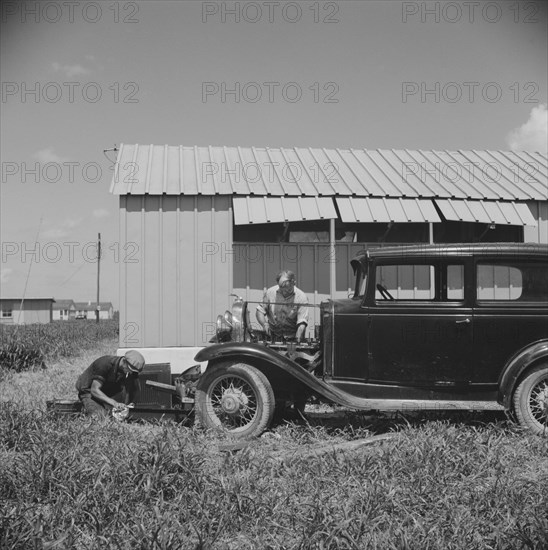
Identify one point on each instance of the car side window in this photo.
(405, 282)
(455, 282)
(512, 282)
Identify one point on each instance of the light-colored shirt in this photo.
(284, 314)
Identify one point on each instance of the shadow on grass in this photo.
(336, 420)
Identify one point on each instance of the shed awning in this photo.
(253, 210)
(369, 209)
(497, 212)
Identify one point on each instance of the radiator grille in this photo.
(149, 396)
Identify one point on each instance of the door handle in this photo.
(463, 321)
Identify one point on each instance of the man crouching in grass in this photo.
(108, 380)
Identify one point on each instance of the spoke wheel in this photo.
(531, 400)
(235, 398)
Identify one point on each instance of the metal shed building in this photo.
(200, 223)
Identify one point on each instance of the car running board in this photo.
(422, 405)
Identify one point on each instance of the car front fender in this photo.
(250, 351)
(515, 368)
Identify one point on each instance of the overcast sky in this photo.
(80, 77)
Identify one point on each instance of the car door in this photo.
(511, 311)
(420, 324)
(350, 323)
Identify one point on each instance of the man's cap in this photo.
(135, 361)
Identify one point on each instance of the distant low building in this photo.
(19, 311)
(86, 310)
(64, 310)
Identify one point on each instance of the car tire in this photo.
(531, 400)
(235, 398)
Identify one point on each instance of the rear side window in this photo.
(512, 282)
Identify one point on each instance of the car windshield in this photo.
(361, 282)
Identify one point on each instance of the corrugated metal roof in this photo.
(497, 212)
(253, 210)
(480, 175)
(354, 209)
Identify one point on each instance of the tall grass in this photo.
(30, 347)
(81, 484)
(32, 388)
(465, 482)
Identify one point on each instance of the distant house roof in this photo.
(315, 172)
(90, 306)
(19, 299)
(63, 304)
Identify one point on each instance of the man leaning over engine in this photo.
(284, 311)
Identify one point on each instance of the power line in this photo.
(74, 273)
(28, 274)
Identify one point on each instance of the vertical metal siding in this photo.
(183, 276)
(151, 265)
(131, 258)
(205, 267)
(169, 270)
(256, 265)
(538, 234)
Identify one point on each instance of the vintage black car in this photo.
(431, 327)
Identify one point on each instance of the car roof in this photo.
(457, 249)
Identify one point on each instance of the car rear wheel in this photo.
(235, 398)
(531, 400)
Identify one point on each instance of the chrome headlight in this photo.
(224, 327)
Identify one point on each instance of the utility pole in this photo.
(98, 307)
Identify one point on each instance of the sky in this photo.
(79, 77)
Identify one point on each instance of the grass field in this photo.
(31, 347)
(453, 482)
